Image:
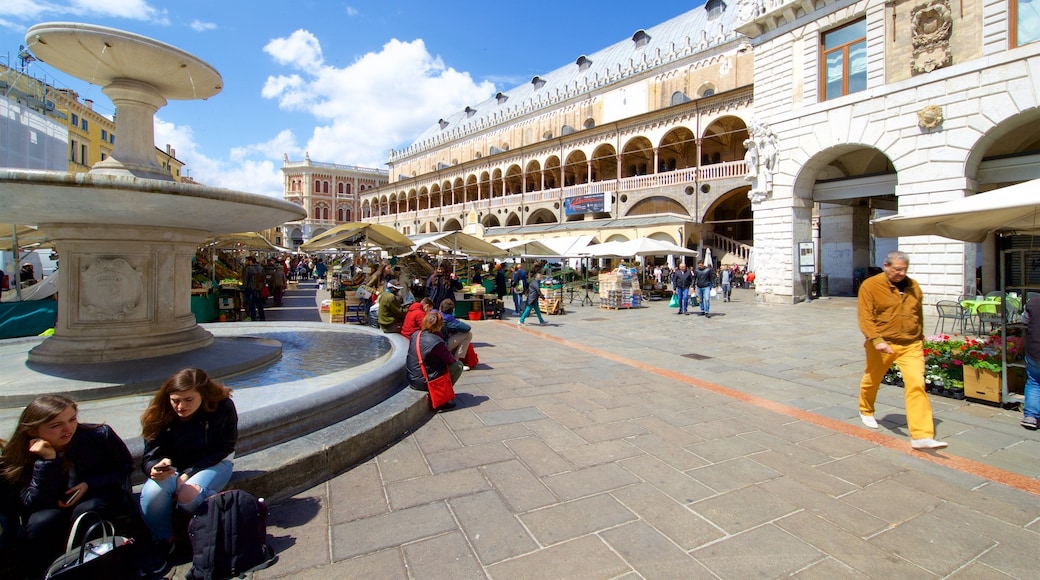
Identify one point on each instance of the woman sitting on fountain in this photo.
(61, 469)
(435, 356)
(189, 429)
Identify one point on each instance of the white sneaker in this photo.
(868, 420)
(927, 444)
(520, 322)
(465, 368)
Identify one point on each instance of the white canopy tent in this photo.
(527, 249)
(458, 243)
(1015, 208)
(638, 247)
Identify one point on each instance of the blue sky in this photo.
(344, 81)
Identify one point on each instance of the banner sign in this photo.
(589, 203)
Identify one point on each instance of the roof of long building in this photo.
(673, 40)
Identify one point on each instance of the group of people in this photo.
(702, 280)
(260, 281)
(54, 468)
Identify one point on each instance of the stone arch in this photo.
(604, 163)
(576, 171)
(637, 157)
(552, 174)
(657, 204)
(532, 176)
(512, 219)
(490, 221)
(513, 180)
(451, 225)
(677, 150)
(723, 140)
(541, 216)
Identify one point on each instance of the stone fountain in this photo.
(126, 231)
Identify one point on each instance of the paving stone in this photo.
(520, 488)
(387, 564)
(437, 437)
(652, 553)
(431, 488)
(469, 456)
(763, 552)
(892, 501)
(666, 451)
(538, 456)
(722, 449)
(496, 433)
(491, 527)
(589, 558)
(846, 517)
(730, 511)
(862, 469)
(609, 431)
(732, 474)
(364, 486)
(390, 530)
(298, 530)
(446, 556)
(520, 415)
(569, 520)
(828, 569)
(601, 452)
(673, 482)
(937, 544)
(838, 446)
(588, 481)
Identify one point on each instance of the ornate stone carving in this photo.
(761, 158)
(111, 289)
(931, 26)
(930, 117)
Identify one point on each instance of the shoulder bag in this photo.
(109, 556)
(441, 390)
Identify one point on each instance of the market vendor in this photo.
(391, 310)
(441, 285)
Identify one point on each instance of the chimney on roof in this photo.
(89, 104)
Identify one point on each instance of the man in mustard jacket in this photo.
(892, 320)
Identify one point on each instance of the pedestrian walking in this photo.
(892, 320)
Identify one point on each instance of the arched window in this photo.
(325, 213)
(347, 217)
(340, 188)
(317, 213)
(348, 189)
(325, 187)
(317, 186)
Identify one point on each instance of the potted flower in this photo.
(982, 360)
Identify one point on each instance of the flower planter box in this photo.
(985, 385)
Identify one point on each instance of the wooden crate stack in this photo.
(553, 301)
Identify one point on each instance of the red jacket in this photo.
(413, 319)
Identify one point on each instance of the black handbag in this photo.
(107, 556)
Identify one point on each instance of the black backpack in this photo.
(229, 536)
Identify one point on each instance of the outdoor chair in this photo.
(995, 294)
(950, 310)
(991, 314)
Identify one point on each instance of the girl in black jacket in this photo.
(189, 429)
(61, 469)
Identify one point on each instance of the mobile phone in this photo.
(163, 467)
(71, 497)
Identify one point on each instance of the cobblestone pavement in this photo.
(642, 444)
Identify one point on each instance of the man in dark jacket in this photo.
(518, 284)
(704, 278)
(442, 286)
(682, 279)
(1031, 407)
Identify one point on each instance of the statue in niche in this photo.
(931, 27)
(761, 160)
(111, 289)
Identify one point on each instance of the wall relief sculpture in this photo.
(760, 159)
(931, 26)
(930, 117)
(111, 289)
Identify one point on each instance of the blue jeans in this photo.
(517, 301)
(537, 310)
(157, 497)
(683, 296)
(254, 304)
(1031, 408)
(726, 290)
(704, 295)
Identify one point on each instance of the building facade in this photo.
(881, 106)
(641, 139)
(329, 192)
(91, 136)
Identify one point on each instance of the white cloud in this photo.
(130, 9)
(381, 101)
(242, 172)
(200, 26)
(301, 50)
(351, 11)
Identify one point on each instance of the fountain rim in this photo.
(66, 60)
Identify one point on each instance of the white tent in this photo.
(639, 247)
(1015, 208)
(570, 246)
(527, 248)
(456, 242)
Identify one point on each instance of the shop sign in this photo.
(588, 203)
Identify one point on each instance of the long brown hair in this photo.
(17, 459)
(160, 412)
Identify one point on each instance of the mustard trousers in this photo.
(910, 358)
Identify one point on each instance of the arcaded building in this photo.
(643, 138)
